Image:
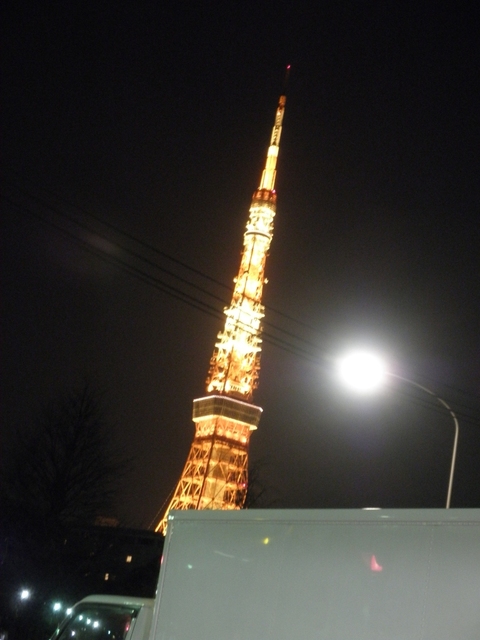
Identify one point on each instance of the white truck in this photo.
(410, 574)
(320, 575)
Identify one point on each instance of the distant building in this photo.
(112, 559)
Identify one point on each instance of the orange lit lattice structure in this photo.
(215, 474)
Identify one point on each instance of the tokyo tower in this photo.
(216, 470)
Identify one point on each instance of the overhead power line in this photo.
(266, 323)
(159, 284)
(143, 244)
(295, 348)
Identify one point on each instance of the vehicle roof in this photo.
(126, 600)
(328, 516)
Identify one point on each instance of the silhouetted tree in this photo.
(65, 470)
(260, 493)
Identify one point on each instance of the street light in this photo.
(362, 371)
(365, 372)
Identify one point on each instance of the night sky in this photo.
(133, 138)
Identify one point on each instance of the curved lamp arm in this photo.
(455, 421)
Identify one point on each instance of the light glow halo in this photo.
(362, 371)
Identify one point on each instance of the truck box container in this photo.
(320, 575)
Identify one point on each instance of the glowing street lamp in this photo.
(364, 372)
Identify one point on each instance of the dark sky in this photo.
(152, 120)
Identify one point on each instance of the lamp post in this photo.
(364, 372)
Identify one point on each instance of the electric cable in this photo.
(181, 295)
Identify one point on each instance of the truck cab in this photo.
(106, 617)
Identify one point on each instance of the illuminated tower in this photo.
(215, 474)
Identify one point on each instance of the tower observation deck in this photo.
(215, 475)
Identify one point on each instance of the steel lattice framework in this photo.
(215, 474)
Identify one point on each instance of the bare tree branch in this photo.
(67, 469)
